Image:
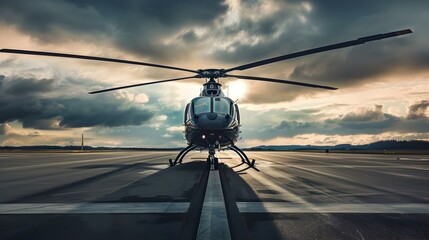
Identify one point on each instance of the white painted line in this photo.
(64, 163)
(414, 159)
(70, 208)
(267, 181)
(213, 216)
(70, 162)
(286, 207)
(213, 221)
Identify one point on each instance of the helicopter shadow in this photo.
(246, 225)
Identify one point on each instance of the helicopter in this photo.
(212, 120)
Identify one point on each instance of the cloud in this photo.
(50, 94)
(418, 110)
(161, 118)
(359, 121)
(329, 140)
(41, 111)
(235, 32)
(5, 129)
(137, 27)
(363, 63)
(365, 115)
(19, 86)
(49, 21)
(175, 129)
(167, 135)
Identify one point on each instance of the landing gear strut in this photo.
(243, 156)
(212, 159)
(181, 155)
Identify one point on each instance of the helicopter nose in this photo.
(212, 116)
(212, 121)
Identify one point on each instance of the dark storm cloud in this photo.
(241, 51)
(418, 110)
(3, 129)
(189, 36)
(26, 86)
(271, 93)
(332, 22)
(43, 112)
(164, 32)
(134, 26)
(140, 27)
(328, 23)
(48, 20)
(362, 121)
(363, 64)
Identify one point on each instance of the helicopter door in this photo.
(187, 116)
(237, 113)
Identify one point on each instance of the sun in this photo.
(236, 89)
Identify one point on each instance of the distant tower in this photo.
(82, 143)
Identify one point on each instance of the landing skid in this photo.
(243, 156)
(212, 159)
(181, 155)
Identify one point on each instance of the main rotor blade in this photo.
(281, 81)
(65, 55)
(141, 84)
(321, 49)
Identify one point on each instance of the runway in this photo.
(136, 195)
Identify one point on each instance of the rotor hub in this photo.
(211, 73)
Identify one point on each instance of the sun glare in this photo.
(236, 90)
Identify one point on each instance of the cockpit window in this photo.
(221, 105)
(202, 105)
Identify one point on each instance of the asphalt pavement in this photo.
(137, 195)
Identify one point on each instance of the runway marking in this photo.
(391, 160)
(287, 207)
(414, 159)
(359, 184)
(66, 163)
(214, 213)
(287, 195)
(213, 221)
(86, 208)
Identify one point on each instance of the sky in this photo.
(383, 85)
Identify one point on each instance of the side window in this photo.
(237, 113)
(187, 115)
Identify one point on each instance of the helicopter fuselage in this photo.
(212, 121)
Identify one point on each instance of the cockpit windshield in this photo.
(221, 105)
(204, 105)
(201, 105)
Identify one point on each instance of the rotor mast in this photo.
(212, 88)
